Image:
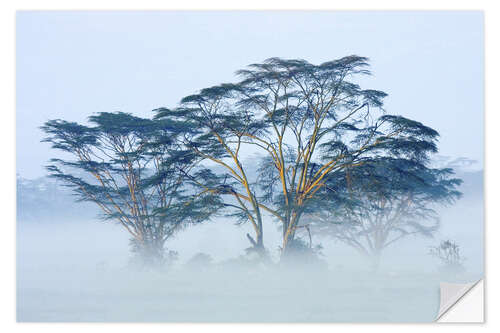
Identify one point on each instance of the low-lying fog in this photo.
(77, 271)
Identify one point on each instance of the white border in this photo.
(7, 100)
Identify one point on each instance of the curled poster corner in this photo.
(456, 305)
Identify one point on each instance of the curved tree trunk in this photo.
(258, 244)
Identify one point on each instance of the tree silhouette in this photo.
(133, 169)
(325, 149)
(383, 201)
(219, 135)
(310, 121)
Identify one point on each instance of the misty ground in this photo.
(77, 271)
(227, 296)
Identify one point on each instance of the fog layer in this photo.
(72, 270)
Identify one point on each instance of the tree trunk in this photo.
(289, 229)
(287, 248)
(148, 254)
(258, 245)
(375, 261)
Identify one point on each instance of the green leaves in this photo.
(134, 169)
(384, 200)
(68, 136)
(410, 127)
(329, 149)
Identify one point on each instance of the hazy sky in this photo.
(72, 64)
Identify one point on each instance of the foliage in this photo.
(374, 205)
(329, 158)
(134, 171)
(310, 121)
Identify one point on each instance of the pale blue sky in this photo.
(71, 64)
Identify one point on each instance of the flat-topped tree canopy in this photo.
(376, 204)
(134, 169)
(311, 121)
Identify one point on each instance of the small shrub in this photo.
(448, 252)
(199, 260)
(300, 252)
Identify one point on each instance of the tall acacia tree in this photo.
(377, 204)
(311, 121)
(218, 135)
(133, 169)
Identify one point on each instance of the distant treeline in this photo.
(43, 200)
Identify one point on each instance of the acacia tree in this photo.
(133, 169)
(218, 135)
(311, 121)
(383, 201)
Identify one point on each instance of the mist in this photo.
(75, 270)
